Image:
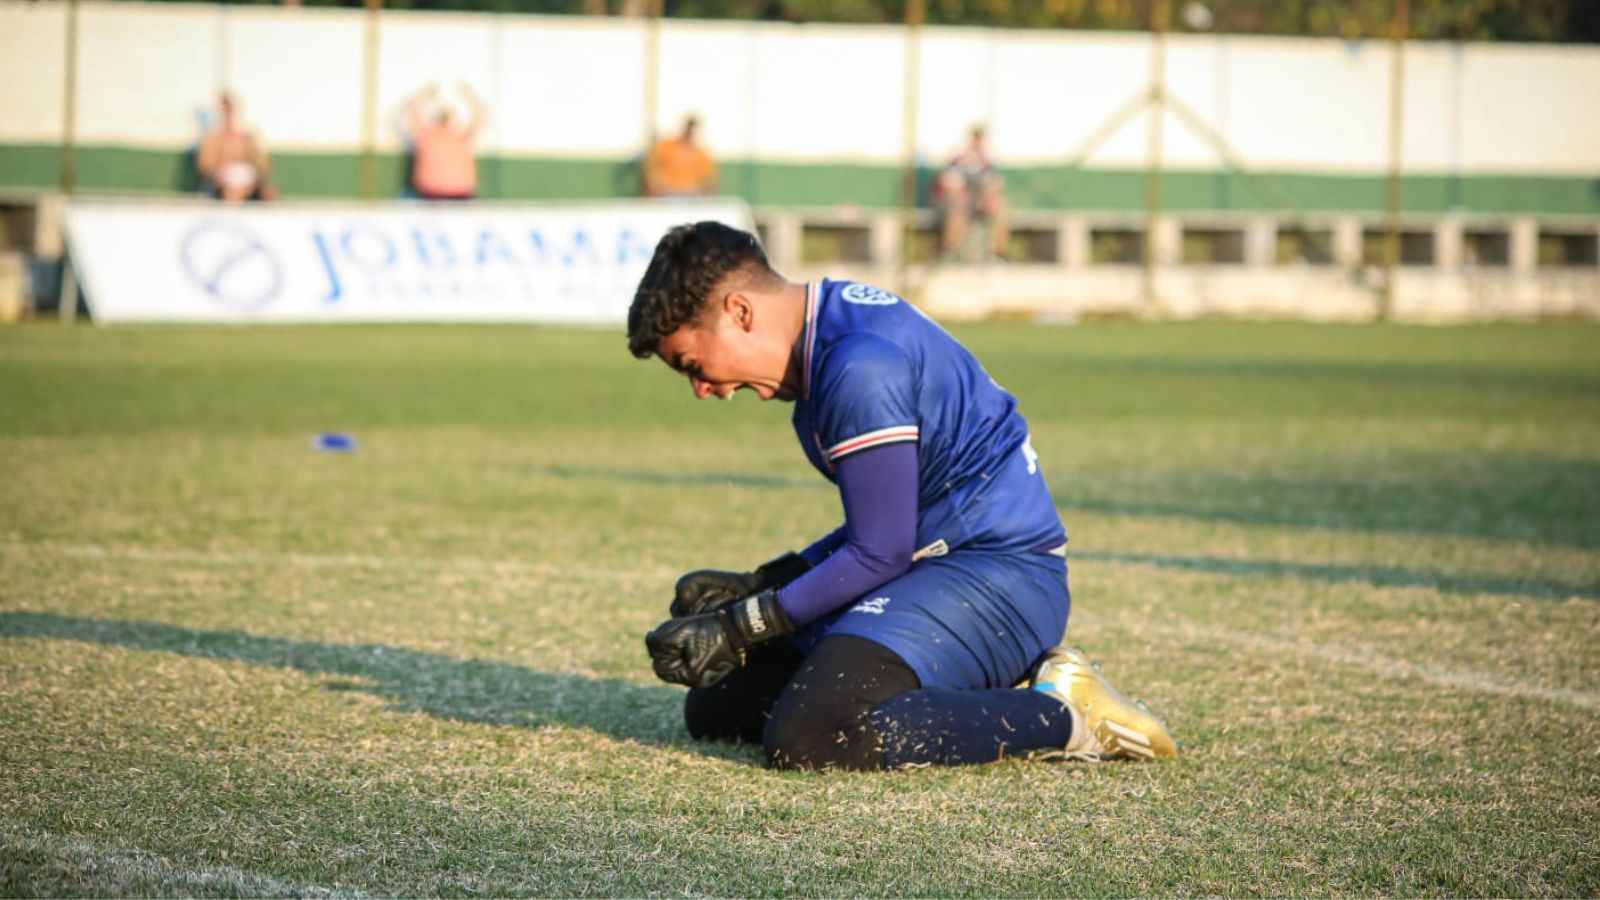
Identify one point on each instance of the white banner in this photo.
(146, 262)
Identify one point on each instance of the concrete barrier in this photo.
(16, 289)
(1320, 294)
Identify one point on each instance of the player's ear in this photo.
(738, 307)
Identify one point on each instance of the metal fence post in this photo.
(1397, 89)
(1160, 13)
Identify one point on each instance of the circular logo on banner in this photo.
(868, 295)
(232, 265)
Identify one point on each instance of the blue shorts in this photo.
(965, 621)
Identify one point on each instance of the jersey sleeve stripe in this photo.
(891, 435)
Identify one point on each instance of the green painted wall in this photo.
(29, 166)
(36, 166)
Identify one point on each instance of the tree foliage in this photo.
(1573, 21)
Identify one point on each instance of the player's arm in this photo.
(869, 418)
(704, 590)
(879, 490)
(415, 112)
(869, 427)
(825, 546)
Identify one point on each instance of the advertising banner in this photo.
(416, 262)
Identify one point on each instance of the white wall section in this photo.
(576, 87)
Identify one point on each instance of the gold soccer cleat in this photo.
(1105, 724)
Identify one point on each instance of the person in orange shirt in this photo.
(680, 167)
(444, 164)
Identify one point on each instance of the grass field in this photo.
(1357, 569)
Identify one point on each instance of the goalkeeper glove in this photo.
(701, 650)
(705, 590)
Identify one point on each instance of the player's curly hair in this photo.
(689, 262)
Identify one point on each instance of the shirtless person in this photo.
(233, 160)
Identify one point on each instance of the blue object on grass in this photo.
(335, 442)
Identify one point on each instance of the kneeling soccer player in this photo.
(896, 640)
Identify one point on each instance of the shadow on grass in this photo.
(1520, 498)
(1533, 499)
(410, 680)
(1377, 576)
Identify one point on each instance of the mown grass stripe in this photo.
(1393, 667)
(57, 862)
(323, 561)
(1190, 630)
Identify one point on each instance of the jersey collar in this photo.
(808, 336)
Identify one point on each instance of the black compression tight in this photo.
(808, 712)
(854, 704)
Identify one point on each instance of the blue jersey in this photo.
(877, 371)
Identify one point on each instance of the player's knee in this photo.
(704, 715)
(696, 715)
(800, 738)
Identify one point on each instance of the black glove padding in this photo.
(699, 651)
(705, 590)
(692, 650)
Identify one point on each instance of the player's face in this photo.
(720, 355)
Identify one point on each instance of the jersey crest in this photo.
(867, 295)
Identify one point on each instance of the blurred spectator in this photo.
(444, 164)
(969, 189)
(233, 162)
(680, 167)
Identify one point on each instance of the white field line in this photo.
(465, 565)
(1466, 680)
(109, 870)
